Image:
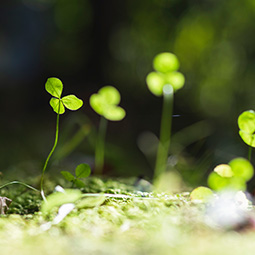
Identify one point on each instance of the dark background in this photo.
(92, 43)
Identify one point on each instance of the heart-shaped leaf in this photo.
(246, 123)
(114, 113)
(71, 102)
(57, 105)
(201, 194)
(155, 82)
(79, 183)
(176, 79)
(68, 176)
(54, 86)
(242, 168)
(110, 95)
(166, 62)
(97, 103)
(224, 170)
(82, 171)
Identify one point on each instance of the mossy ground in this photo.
(148, 223)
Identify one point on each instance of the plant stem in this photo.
(100, 143)
(249, 153)
(51, 152)
(165, 131)
(21, 183)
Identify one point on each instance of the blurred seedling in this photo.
(164, 81)
(105, 103)
(226, 177)
(233, 175)
(81, 171)
(246, 123)
(54, 86)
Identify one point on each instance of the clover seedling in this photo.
(105, 103)
(233, 175)
(246, 123)
(81, 171)
(55, 87)
(164, 81)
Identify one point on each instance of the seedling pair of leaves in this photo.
(164, 81)
(231, 176)
(81, 171)
(105, 103)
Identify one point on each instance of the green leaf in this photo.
(58, 198)
(201, 194)
(155, 82)
(242, 168)
(217, 182)
(246, 123)
(110, 95)
(105, 103)
(57, 105)
(54, 86)
(97, 103)
(79, 183)
(247, 138)
(68, 176)
(114, 113)
(82, 171)
(175, 79)
(90, 202)
(71, 102)
(224, 170)
(166, 62)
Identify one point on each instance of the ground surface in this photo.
(142, 223)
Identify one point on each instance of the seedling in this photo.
(55, 87)
(81, 171)
(105, 103)
(233, 175)
(164, 82)
(225, 177)
(246, 123)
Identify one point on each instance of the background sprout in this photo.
(164, 82)
(55, 87)
(233, 175)
(105, 103)
(201, 194)
(246, 123)
(81, 171)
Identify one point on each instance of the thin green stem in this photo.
(100, 144)
(21, 183)
(165, 131)
(50, 154)
(249, 153)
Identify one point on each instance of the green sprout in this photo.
(246, 123)
(55, 87)
(105, 103)
(164, 81)
(201, 194)
(233, 175)
(81, 171)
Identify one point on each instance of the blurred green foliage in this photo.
(113, 42)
